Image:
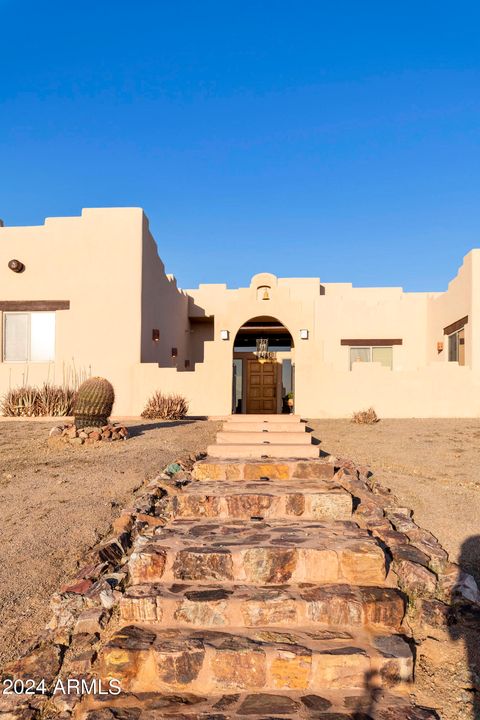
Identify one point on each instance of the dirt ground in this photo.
(432, 466)
(57, 503)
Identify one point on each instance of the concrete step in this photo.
(240, 450)
(261, 553)
(264, 418)
(145, 659)
(225, 606)
(304, 500)
(263, 470)
(323, 704)
(232, 426)
(262, 438)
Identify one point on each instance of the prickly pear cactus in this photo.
(93, 403)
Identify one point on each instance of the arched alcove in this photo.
(263, 367)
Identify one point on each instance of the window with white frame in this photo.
(28, 336)
(374, 353)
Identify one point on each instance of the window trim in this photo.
(29, 337)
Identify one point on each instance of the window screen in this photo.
(359, 354)
(16, 337)
(29, 337)
(383, 355)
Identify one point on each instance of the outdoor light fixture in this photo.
(303, 334)
(224, 334)
(16, 266)
(262, 352)
(174, 352)
(439, 347)
(156, 335)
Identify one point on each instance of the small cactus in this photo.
(93, 403)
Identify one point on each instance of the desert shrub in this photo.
(29, 401)
(55, 400)
(166, 407)
(365, 417)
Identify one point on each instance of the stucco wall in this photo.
(94, 261)
(107, 265)
(324, 385)
(450, 306)
(164, 307)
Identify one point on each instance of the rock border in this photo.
(71, 435)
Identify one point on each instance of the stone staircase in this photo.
(260, 598)
(267, 436)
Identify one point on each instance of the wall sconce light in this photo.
(156, 335)
(224, 334)
(439, 347)
(174, 352)
(303, 334)
(16, 266)
(187, 364)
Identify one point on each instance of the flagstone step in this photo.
(284, 418)
(306, 605)
(145, 659)
(262, 438)
(278, 705)
(260, 553)
(273, 470)
(232, 426)
(306, 500)
(246, 450)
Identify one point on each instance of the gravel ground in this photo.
(432, 466)
(57, 503)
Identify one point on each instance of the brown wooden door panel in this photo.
(261, 387)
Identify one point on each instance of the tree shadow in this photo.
(366, 706)
(464, 621)
(372, 693)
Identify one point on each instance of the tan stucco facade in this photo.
(125, 319)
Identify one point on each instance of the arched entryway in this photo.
(263, 367)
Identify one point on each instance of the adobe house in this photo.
(91, 292)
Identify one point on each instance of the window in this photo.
(376, 353)
(456, 347)
(29, 337)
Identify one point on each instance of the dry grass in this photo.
(165, 407)
(365, 417)
(47, 400)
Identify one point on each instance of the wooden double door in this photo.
(261, 387)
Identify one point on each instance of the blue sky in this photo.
(330, 139)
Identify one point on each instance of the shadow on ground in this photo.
(137, 430)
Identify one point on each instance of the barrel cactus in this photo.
(93, 403)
